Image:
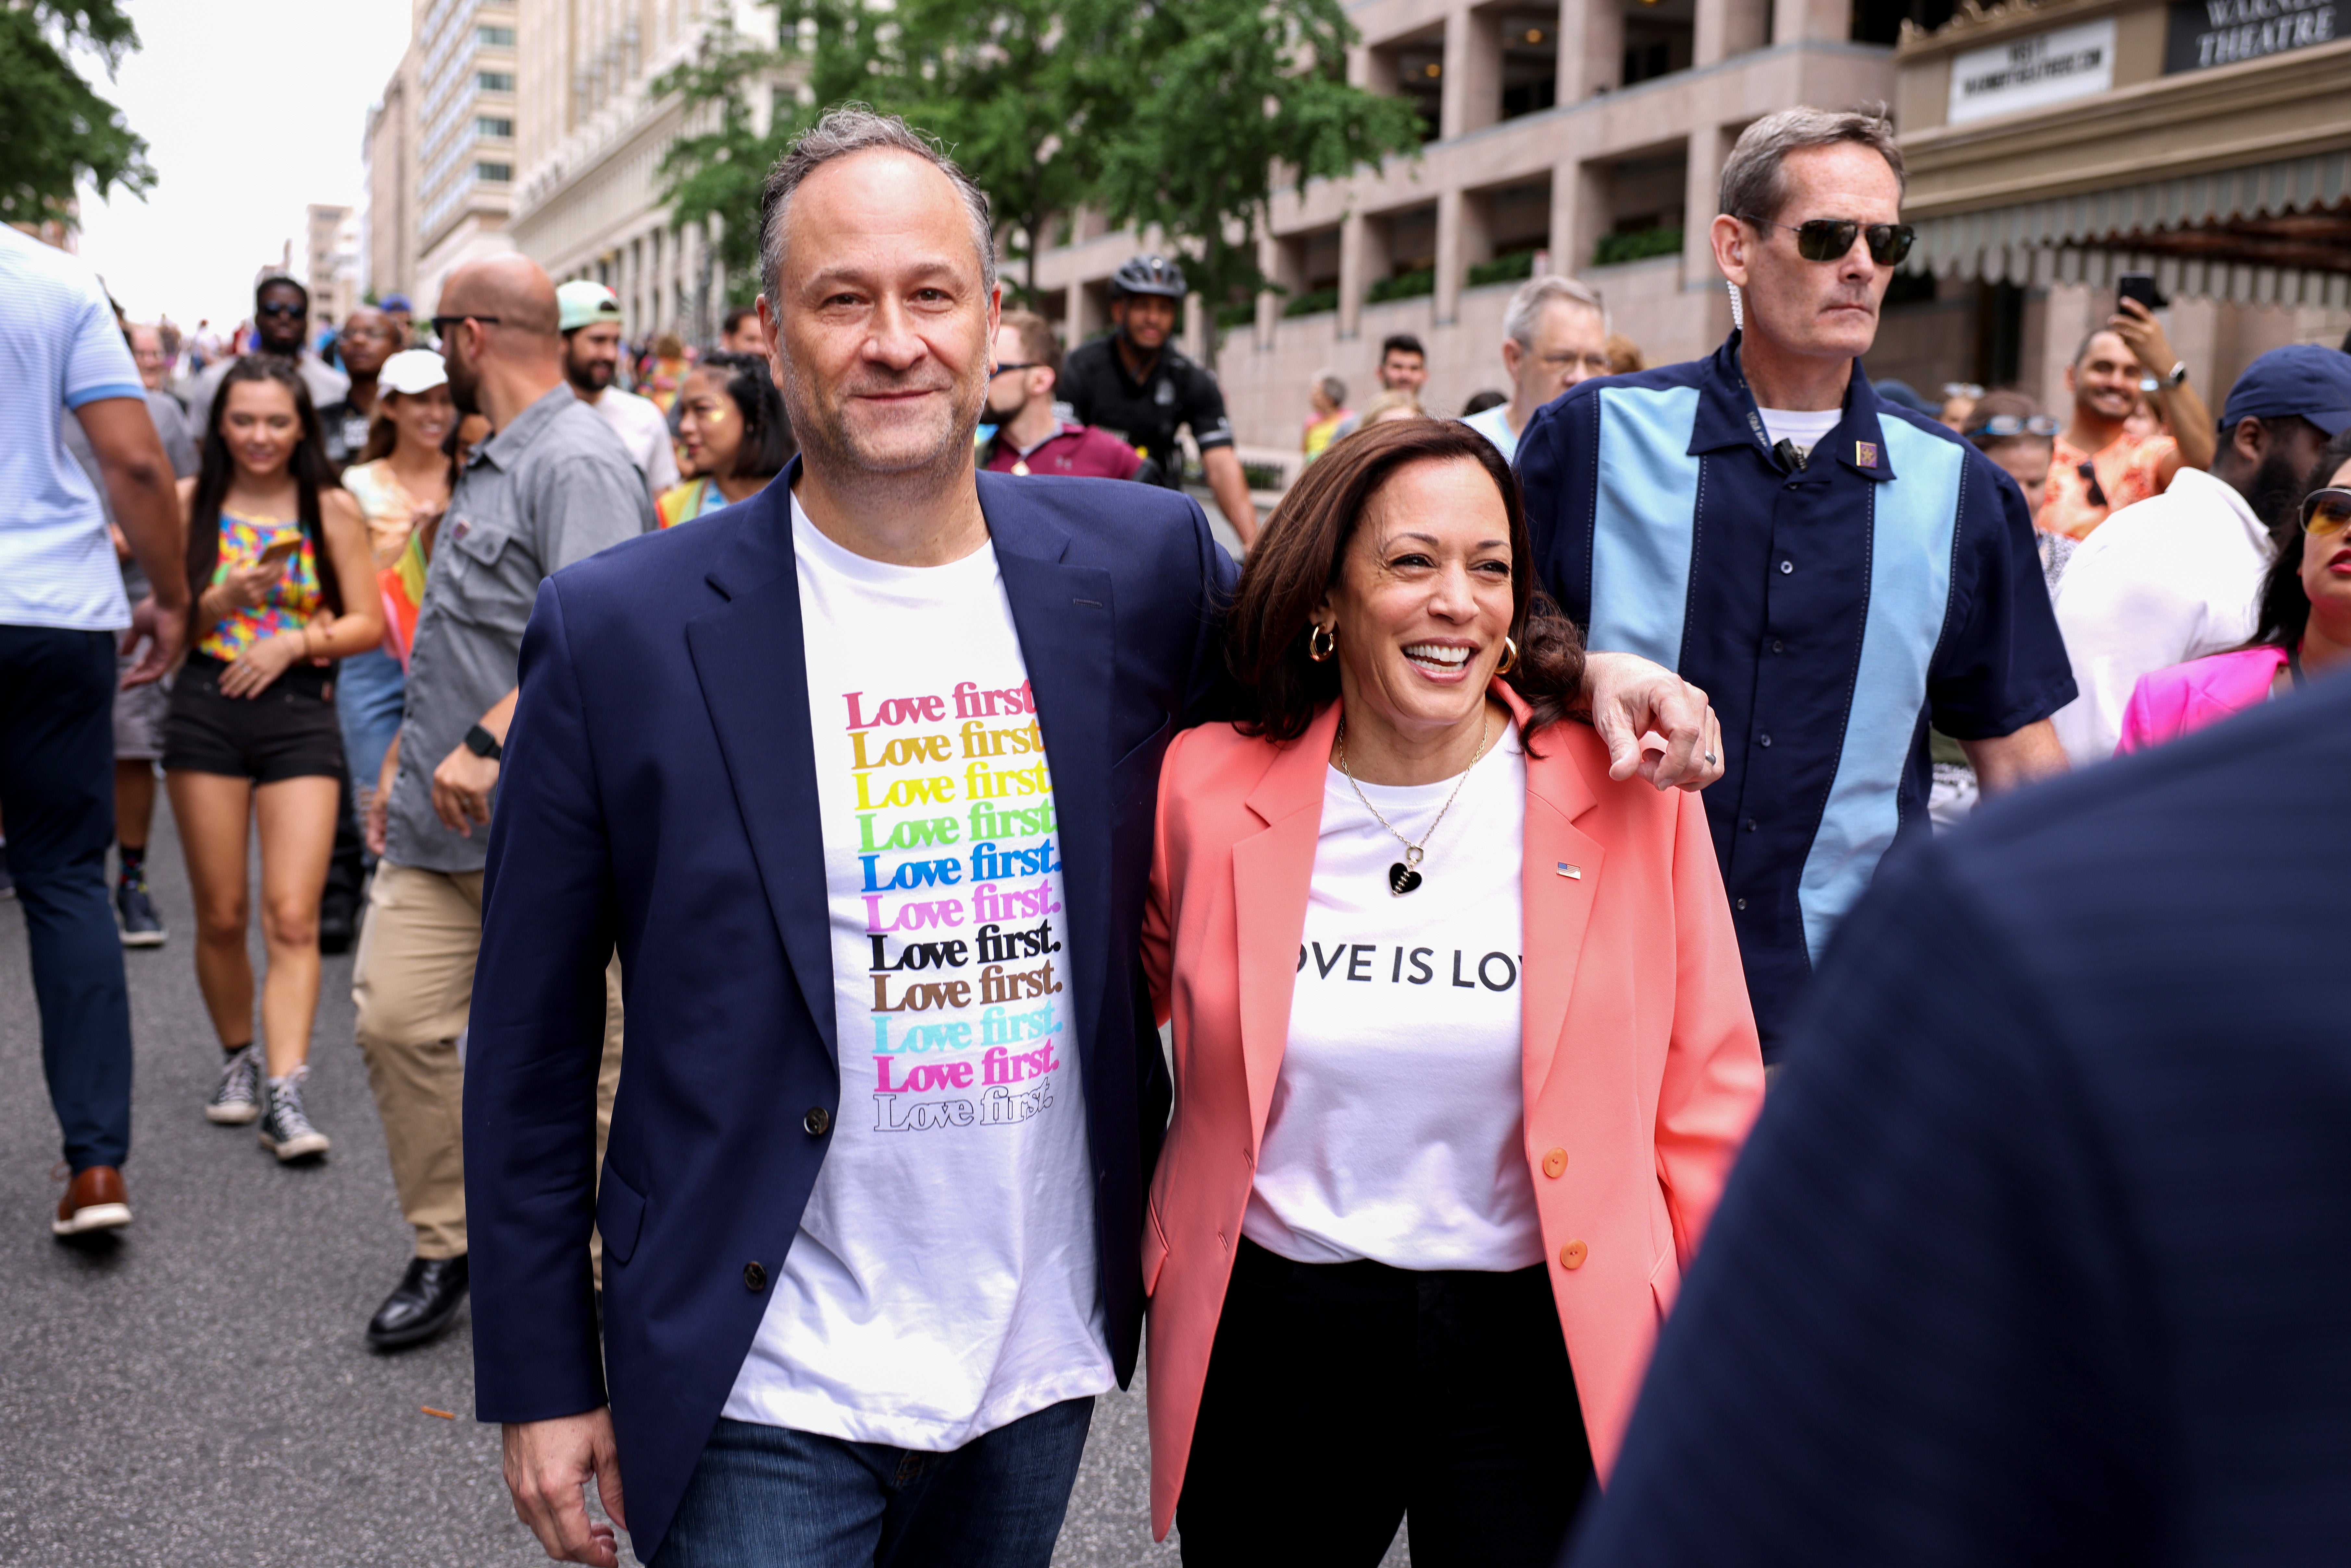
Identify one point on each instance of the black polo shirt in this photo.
(1145, 413)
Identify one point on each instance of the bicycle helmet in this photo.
(1149, 275)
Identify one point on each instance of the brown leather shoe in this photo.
(95, 1201)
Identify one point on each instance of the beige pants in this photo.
(413, 983)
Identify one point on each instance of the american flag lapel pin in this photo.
(1571, 871)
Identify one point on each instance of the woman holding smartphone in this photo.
(285, 584)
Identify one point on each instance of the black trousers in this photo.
(1343, 1397)
(57, 806)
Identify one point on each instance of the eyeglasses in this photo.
(1024, 365)
(1828, 239)
(280, 307)
(1596, 364)
(2325, 513)
(2001, 426)
(1961, 389)
(442, 324)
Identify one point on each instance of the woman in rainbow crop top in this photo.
(252, 733)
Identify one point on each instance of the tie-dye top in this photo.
(292, 601)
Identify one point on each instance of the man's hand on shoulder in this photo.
(546, 1464)
(1632, 699)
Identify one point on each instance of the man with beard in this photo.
(551, 487)
(2177, 576)
(2099, 466)
(1030, 438)
(591, 357)
(1837, 570)
(281, 326)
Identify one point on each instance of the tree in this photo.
(1173, 115)
(55, 130)
(1223, 93)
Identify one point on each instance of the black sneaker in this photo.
(134, 908)
(237, 1100)
(286, 1131)
(338, 923)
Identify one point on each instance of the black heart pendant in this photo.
(1402, 879)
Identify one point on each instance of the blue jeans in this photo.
(369, 691)
(763, 1496)
(57, 806)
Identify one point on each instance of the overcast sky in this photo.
(252, 110)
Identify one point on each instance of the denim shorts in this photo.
(288, 730)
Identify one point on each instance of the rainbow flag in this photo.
(402, 585)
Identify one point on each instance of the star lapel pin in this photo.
(1865, 455)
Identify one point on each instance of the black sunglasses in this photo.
(1828, 239)
(442, 324)
(2001, 426)
(2325, 513)
(1024, 365)
(280, 307)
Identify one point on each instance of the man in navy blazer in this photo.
(858, 777)
(2041, 1253)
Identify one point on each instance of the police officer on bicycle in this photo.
(1139, 386)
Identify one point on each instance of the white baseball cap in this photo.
(413, 371)
(583, 301)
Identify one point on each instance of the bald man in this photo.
(552, 485)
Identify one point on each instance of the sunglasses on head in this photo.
(2001, 426)
(1961, 389)
(2325, 513)
(280, 307)
(1828, 239)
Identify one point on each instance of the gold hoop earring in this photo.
(1321, 642)
(1510, 657)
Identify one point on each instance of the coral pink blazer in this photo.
(2186, 697)
(1642, 1069)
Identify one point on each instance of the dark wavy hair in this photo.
(1304, 548)
(767, 442)
(2284, 612)
(307, 463)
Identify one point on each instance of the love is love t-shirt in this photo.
(945, 1280)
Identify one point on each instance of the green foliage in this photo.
(1403, 286)
(1172, 114)
(1638, 246)
(1313, 302)
(55, 130)
(1239, 313)
(1511, 266)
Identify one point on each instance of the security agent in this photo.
(1140, 387)
(1834, 569)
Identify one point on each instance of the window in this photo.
(494, 37)
(494, 81)
(493, 171)
(487, 125)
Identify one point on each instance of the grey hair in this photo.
(1526, 307)
(1752, 186)
(1333, 388)
(857, 128)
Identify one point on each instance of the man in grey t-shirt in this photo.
(553, 486)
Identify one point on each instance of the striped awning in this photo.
(2272, 233)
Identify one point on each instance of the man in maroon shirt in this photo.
(1030, 437)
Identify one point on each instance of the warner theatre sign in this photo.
(2206, 32)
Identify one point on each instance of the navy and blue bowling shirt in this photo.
(1830, 611)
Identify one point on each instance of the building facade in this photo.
(331, 263)
(388, 186)
(2056, 144)
(1583, 135)
(467, 104)
(587, 197)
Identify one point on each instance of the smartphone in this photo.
(2140, 285)
(281, 549)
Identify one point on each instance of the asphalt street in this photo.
(200, 1390)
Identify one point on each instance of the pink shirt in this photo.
(2183, 699)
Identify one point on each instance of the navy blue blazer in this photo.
(2040, 1252)
(659, 795)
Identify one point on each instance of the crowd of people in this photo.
(1575, 731)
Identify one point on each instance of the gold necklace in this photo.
(1404, 875)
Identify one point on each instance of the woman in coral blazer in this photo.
(1463, 1049)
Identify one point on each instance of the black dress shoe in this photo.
(427, 1297)
(339, 926)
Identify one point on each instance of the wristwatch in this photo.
(482, 743)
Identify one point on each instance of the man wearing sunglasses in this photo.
(281, 326)
(1031, 437)
(2175, 577)
(1835, 569)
